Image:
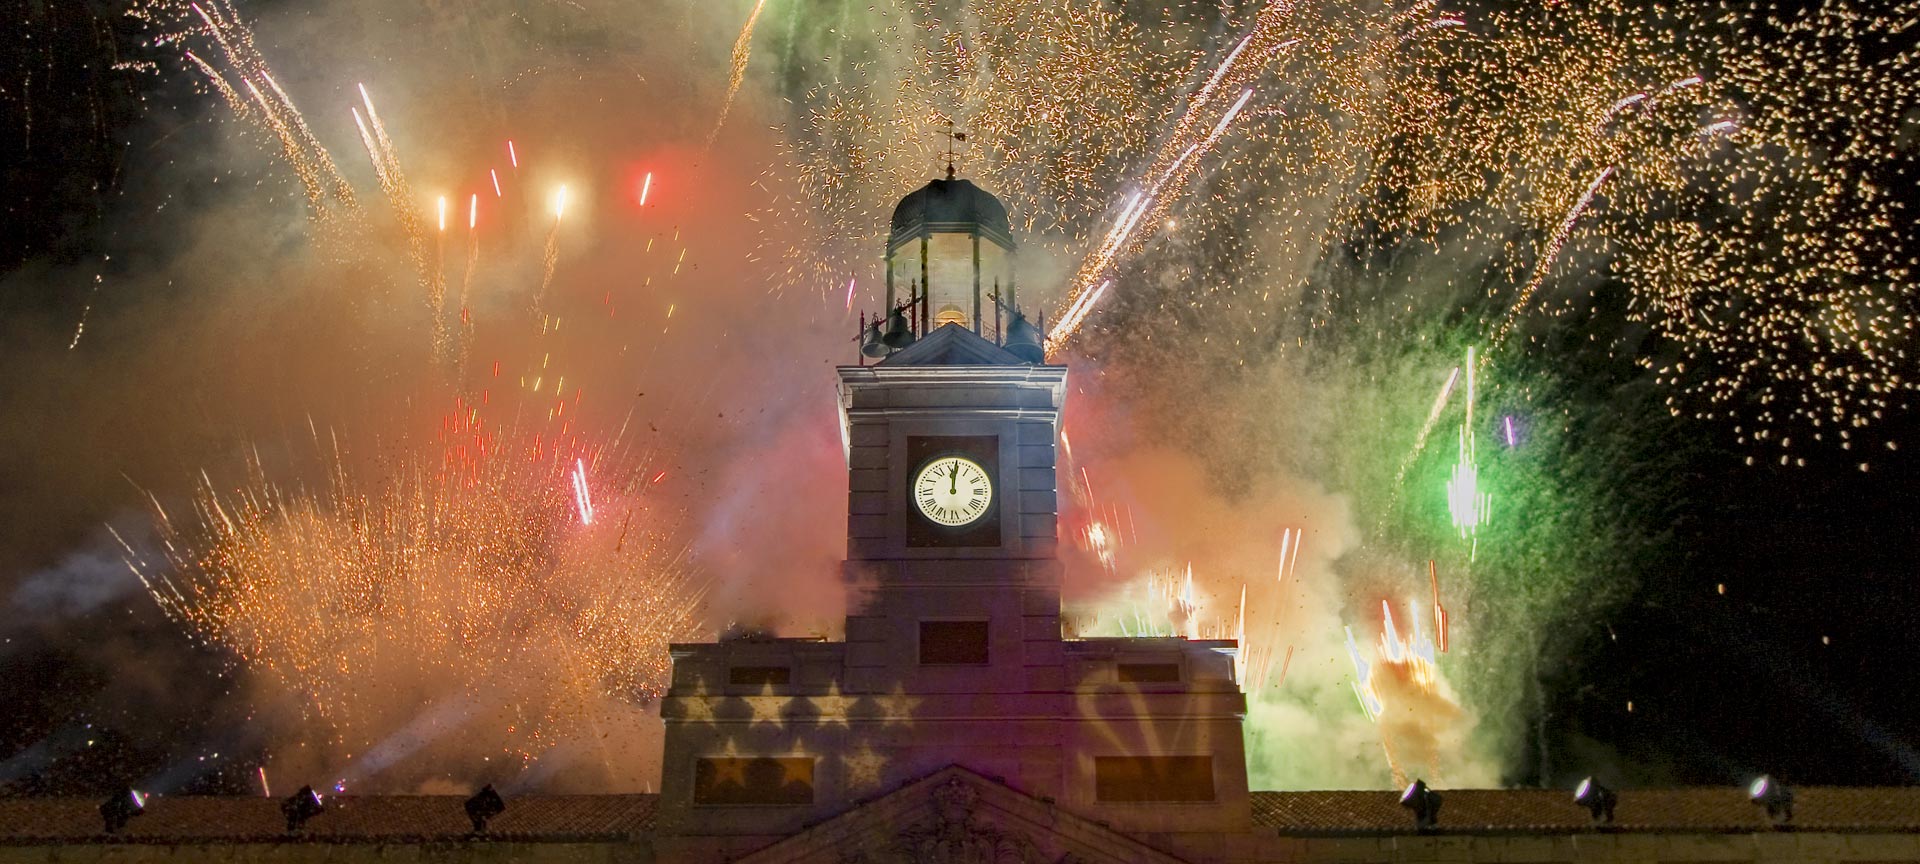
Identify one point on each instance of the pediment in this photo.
(954, 816)
(953, 345)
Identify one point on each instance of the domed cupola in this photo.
(951, 205)
(950, 256)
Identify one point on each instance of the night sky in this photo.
(1769, 622)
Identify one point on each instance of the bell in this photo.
(871, 344)
(898, 334)
(1024, 340)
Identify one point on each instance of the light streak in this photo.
(512, 157)
(583, 499)
(1291, 539)
(1241, 656)
(440, 208)
(1363, 680)
(473, 210)
(1071, 321)
(1466, 503)
(646, 186)
(496, 181)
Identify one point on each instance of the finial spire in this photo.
(954, 137)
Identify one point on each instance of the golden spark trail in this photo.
(393, 181)
(239, 105)
(550, 259)
(1426, 429)
(1150, 207)
(741, 49)
(302, 167)
(466, 281)
(1548, 256)
(312, 164)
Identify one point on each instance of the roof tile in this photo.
(1551, 811)
(348, 818)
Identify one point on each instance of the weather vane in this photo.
(955, 138)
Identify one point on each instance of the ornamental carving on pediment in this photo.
(952, 835)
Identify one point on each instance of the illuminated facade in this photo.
(953, 655)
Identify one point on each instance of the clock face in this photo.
(952, 491)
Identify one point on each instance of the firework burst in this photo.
(471, 570)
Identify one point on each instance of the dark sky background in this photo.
(1783, 635)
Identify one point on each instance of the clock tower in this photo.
(954, 654)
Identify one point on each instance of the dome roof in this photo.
(951, 205)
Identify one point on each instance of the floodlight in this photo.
(125, 804)
(1425, 804)
(1769, 793)
(300, 807)
(1598, 800)
(484, 805)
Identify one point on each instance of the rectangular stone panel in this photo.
(1148, 673)
(759, 676)
(1142, 779)
(1036, 455)
(867, 502)
(944, 643)
(1036, 479)
(762, 780)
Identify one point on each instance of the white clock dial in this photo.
(952, 491)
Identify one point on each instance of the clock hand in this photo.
(953, 478)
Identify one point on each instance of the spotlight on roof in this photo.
(125, 804)
(300, 807)
(1767, 792)
(1598, 800)
(1425, 804)
(484, 805)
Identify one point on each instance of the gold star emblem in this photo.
(863, 767)
(729, 767)
(797, 769)
(696, 707)
(897, 706)
(832, 707)
(766, 706)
